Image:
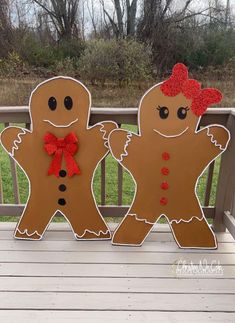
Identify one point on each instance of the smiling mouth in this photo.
(171, 136)
(60, 125)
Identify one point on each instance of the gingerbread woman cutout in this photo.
(167, 158)
(59, 156)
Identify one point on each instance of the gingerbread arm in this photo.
(13, 139)
(120, 142)
(213, 140)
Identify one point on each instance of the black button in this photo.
(62, 173)
(62, 188)
(61, 201)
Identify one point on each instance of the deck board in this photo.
(59, 279)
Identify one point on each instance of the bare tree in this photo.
(162, 24)
(63, 15)
(131, 9)
(5, 28)
(91, 11)
(123, 20)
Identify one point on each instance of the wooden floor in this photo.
(63, 280)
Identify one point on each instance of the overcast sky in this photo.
(28, 10)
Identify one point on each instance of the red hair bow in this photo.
(191, 89)
(57, 147)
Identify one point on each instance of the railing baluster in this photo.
(226, 180)
(103, 179)
(1, 190)
(209, 184)
(120, 182)
(120, 179)
(14, 177)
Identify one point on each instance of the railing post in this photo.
(226, 180)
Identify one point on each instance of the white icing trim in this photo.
(174, 220)
(98, 162)
(141, 220)
(77, 237)
(92, 232)
(60, 125)
(171, 136)
(17, 142)
(29, 234)
(195, 193)
(129, 136)
(214, 141)
(102, 130)
(186, 221)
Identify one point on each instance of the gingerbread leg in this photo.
(132, 231)
(33, 222)
(194, 234)
(88, 225)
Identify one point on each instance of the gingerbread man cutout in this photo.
(59, 156)
(167, 158)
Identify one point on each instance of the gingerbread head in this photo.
(60, 103)
(167, 158)
(59, 156)
(176, 105)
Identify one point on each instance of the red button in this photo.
(165, 171)
(165, 156)
(163, 201)
(164, 186)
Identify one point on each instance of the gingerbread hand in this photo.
(213, 139)
(106, 128)
(119, 142)
(100, 133)
(219, 136)
(12, 138)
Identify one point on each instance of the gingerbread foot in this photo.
(26, 235)
(194, 234)
(132, 231)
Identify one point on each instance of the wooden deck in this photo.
(63, 280)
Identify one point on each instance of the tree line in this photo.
(148, 36)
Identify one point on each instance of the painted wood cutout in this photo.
(166, 160)
(59, 156)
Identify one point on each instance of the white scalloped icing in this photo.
(141, 220)
(186, 221)
(174, 220)
(17, 142)
(129, 135)
(92, 232)
(214, 141)
(29, 234)
(102, 129)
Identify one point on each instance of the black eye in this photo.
(182, 113)
(52, 103)
(163, 112)
(68, 103)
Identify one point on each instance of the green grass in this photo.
(111, 183)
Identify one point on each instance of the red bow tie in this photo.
(67, 146)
